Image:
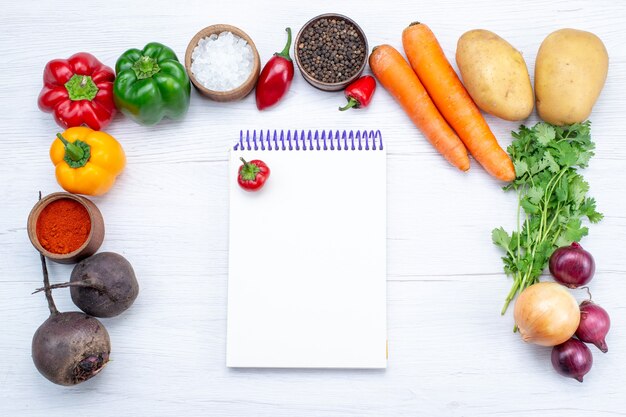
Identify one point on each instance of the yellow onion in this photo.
(546, 314)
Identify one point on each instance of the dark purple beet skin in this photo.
(104, 285)
(69, 348)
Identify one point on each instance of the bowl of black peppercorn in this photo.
(331, 51)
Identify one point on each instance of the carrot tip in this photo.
(414, 23)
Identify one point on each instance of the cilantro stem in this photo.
(564, 137)
(519, 232)
(546, 201)
(512, 293)
(556, 215)
(525, 277)
(543, 229)
(556, 235)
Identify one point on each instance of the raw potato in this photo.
(495, 75)
(570, 72)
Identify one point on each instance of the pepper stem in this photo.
(352, 102)
(145, 67)
(248, 171)
(77, 154)
(285, 52)
(81, 87)
(74, 152)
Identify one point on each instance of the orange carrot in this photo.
(395, 74)
(452, 99)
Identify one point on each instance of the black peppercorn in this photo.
(331, 50)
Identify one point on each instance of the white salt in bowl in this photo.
(238, 92)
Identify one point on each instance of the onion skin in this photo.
(572, 359)
(69, 348)
(594, 325)
(546, 314)
(572, 266)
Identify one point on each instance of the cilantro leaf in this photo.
(588, 208)
(567, 155)
(583, 158)
(544, 133)
(529, 207)
(521, 168)
(578, 189)
(562, 190)
(562, 241)
(575, 231)
(537, 166)
(551, 163)
(535, 194)
(501, 238)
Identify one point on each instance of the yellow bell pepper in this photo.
(87, 161)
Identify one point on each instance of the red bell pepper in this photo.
(275, 77)
(360, 93)
(78, 90)
(252, 175)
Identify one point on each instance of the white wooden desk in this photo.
(450, 352)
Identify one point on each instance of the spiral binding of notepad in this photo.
(311, 140)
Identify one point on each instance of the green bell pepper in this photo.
(151, 84)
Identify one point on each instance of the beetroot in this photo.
(69, 348)
(104, 285)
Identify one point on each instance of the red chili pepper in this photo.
(252, 175)
(78, 90)
(275, 78)
(360, 93)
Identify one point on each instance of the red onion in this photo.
(594, 325)
(572, 359)
(572, 266)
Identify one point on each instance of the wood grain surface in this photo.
(450, 351)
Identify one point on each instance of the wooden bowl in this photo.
(91, 245)
(320, 84)
(231, 95)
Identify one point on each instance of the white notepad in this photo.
(307, 253)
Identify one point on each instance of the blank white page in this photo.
(307, 261)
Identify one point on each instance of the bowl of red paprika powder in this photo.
(65, 227)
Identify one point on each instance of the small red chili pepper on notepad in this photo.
(252, 175)
(275, 78)
(360, 92)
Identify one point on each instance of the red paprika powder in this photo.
(63, 226)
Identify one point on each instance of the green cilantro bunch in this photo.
(552, 198)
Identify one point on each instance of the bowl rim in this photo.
(217, 29)
(312, 79)
(35, 212)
